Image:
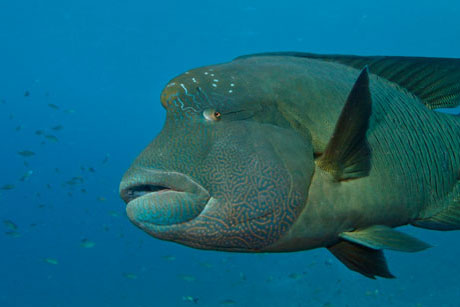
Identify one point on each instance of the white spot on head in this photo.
(232, 84)
(185, 89)
(171, 84)
(212, 75)
(194, 80)
(206, 73)
(215, 80)
(230, 91)
(186, 72)
(215, 85)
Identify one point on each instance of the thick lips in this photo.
(160, 197)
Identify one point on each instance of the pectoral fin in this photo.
(364, 260)
(347, 154)
(384, 237)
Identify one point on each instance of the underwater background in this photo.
(79, 99)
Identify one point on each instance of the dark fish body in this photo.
(7, 187)
(57, 128)
(51, 138)
(10, 224)
(286, 151)
(26, 153)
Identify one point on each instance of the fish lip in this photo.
(135, 191)
(159, 180)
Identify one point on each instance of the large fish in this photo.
(292, 151)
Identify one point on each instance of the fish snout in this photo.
(161, 197)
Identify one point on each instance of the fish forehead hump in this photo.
(264, 80)
(220, 87)
(234, 84)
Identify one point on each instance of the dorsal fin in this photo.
(436, 81)
(347, 154)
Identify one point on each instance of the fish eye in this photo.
(211, 114)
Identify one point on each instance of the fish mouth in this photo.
(161, 197)
(132, 192)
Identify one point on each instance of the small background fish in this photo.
(103, 65)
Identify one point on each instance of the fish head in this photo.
(227, 171)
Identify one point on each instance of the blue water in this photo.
(103, 65)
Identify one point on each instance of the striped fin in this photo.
(436, 81)
(384, 237)
(447, 219)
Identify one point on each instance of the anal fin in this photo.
(384, 237)
(447, 219)
(366, 261)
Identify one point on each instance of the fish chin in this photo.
(165, 207)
